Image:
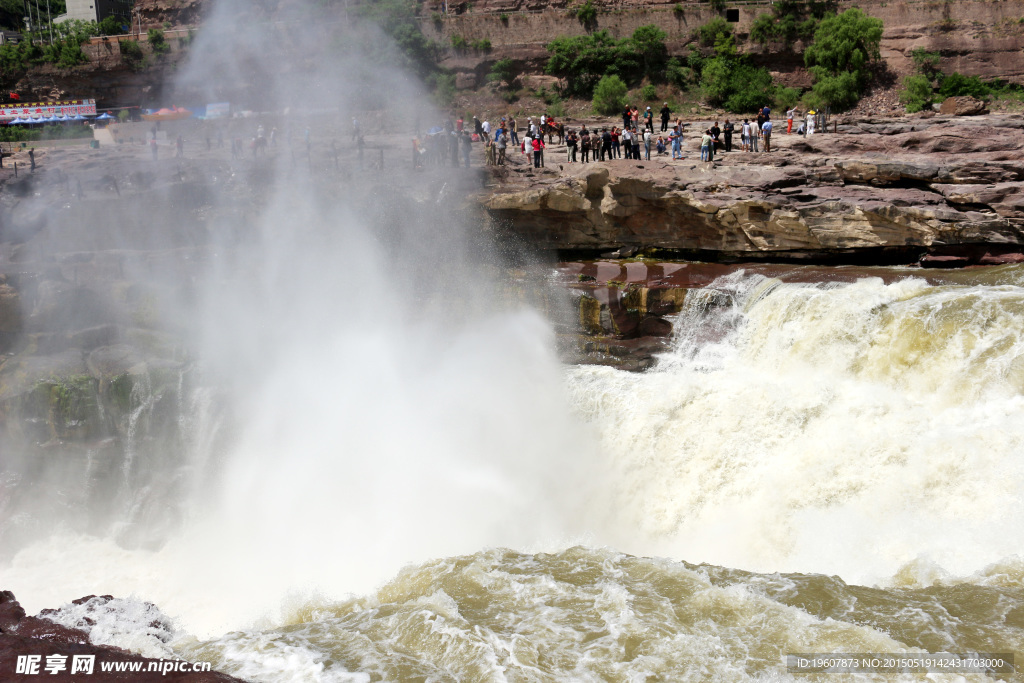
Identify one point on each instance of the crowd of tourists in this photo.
(452, 142)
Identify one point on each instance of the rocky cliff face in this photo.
(977, 37)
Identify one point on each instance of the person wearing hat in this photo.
(649, 120)
(810, 122)
(666, 113)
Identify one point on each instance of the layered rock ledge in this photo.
(881, 191)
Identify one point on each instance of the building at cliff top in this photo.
(97, 10)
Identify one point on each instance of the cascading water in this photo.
(844, 429)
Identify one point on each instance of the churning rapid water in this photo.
(810, 436)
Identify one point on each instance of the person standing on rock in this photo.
(616, 147)
(745, 135)
(705, 146)
(727, 130)
(666, 113)
(453, 147)
(513, 130)
(606, 144)
(467, 146)
(626, 114)
(584, 145)
(716, 134)
(538, 149)
(636, 144)
(649, 119)
(810, 122)
(677, 145)
(648, 135)
(502, 144)
(570, 143)
(789, 120)
(755, 134)
(595, 146)
(627, 142)
(766, 131)
(32, 160)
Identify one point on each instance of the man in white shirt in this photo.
(487, 129)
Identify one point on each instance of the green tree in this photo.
(841, 92)
(610, 95)
(677, 74)
(843, 47)
(582, 60)
(110, 26)
(786, 98)
(917, 93)
(736, 85)
(649, 42)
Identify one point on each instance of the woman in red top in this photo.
(538, 151)
(616, 150)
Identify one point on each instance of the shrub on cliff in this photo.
(64, 53)
(503, 71)
(714, 32)
(844, 45)
(157, 41)
(610, 96)
(397, 19)
(789, 21)
(587, 13)
(131, 54)
(917, 93)
(958, 85)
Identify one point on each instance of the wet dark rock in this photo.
(22, 635)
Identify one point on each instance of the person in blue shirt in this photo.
(766, 133)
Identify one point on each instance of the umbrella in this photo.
(105, 117)
(435, 130)
(78, 117)
(14, 121)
